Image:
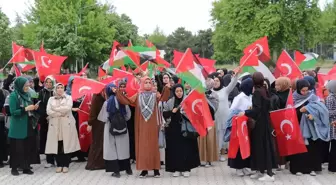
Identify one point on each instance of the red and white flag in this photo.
(263, 52)
(83, 86)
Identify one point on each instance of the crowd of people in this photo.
(41, 118)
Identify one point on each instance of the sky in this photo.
(194, 15)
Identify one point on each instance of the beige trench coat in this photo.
(62, 126)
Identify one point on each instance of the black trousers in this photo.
(62, 159)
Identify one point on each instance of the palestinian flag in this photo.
(23, 57)
(261, 67)
(310, 61)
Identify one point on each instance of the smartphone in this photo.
(38, 102)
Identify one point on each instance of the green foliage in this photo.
(328, 24)
(5, 35)
(238, 23)
(158, 38)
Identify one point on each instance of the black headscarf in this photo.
(226, 80)
(247, 86)
(177, 101)
(221, 84)
(258, 83)
(300, 84)
(311, 81)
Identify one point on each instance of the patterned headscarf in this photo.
(147, 99)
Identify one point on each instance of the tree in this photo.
(328, 24)
(180, 39)
(238, 23)
(5, 35)
(158, 38)
(203, 44)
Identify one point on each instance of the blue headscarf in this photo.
(246, 86)
(69, 86)
(311, 81)
(111, 106)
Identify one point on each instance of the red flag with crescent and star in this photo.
(287, 131)
(243, 137)
(83, 86)
(263, 52)
(47, 64)
(195, 105)
(85, 137)
(234, 141)
(286, 66)
(132, 86)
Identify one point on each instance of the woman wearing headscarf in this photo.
(262, 147)
(222, 113)
(312, 83)
(208, 146)
(95, 158)
(181, 152)
(62, 138)
(331, 105)
(307, 107)
(44, 95)
(146, 125)
(240, 103)
(274, 99)
(75, 107)
(282, 87)
(116, 147)
(23, 128)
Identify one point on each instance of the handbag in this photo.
(187, 129)
(251, 124)
(162, 141)
(118, 124)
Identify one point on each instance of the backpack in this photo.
(118, 124)
(187, 129)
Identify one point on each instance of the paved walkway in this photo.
(219, 174)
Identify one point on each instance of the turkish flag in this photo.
(290, 100)
(250, 59)
(86, 103)
(114, 52)
(47, 64)
(285, 66)
(195, 105)
(261, 45)
(101, 72)
(234, 141)
(132, 86)
(83, 86)
(84, 69)
(243, 137)
(85, 137)
(288, 133)
(63, 79)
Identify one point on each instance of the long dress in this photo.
(116, 148)
(130, 129)
(146, 132)
(262, 147)
(306, 162)
(331, 105)
(95, 158)
(181, 153)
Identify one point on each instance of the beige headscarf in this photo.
(284, 82)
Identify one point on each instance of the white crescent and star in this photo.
(261, 49)
(242, 129)
(84, 123)
(44, 63)
(282, 124)
(194, 104)
(84, 88)
(289, 68)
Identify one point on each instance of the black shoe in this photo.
(157, 174)
(143, 174)
(81, 159)
(116, 174)
(129, 172)
(28, 172)
(15, 172)
(162, 163)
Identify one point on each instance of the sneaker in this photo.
(143, 174)
(267, 178)
(256, 175)
(176, 174)
(65, 170)
(186, 174)
(299, 174)
(28, 172)
(157, 174)
(207, 165)
(222, 158)
(246, 171)
(239, 173)
(58, 169)
(15, 172)
(313, 173)
(116, 174)
(48, 165)
(129, 172)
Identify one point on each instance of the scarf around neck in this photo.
(147, 104)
